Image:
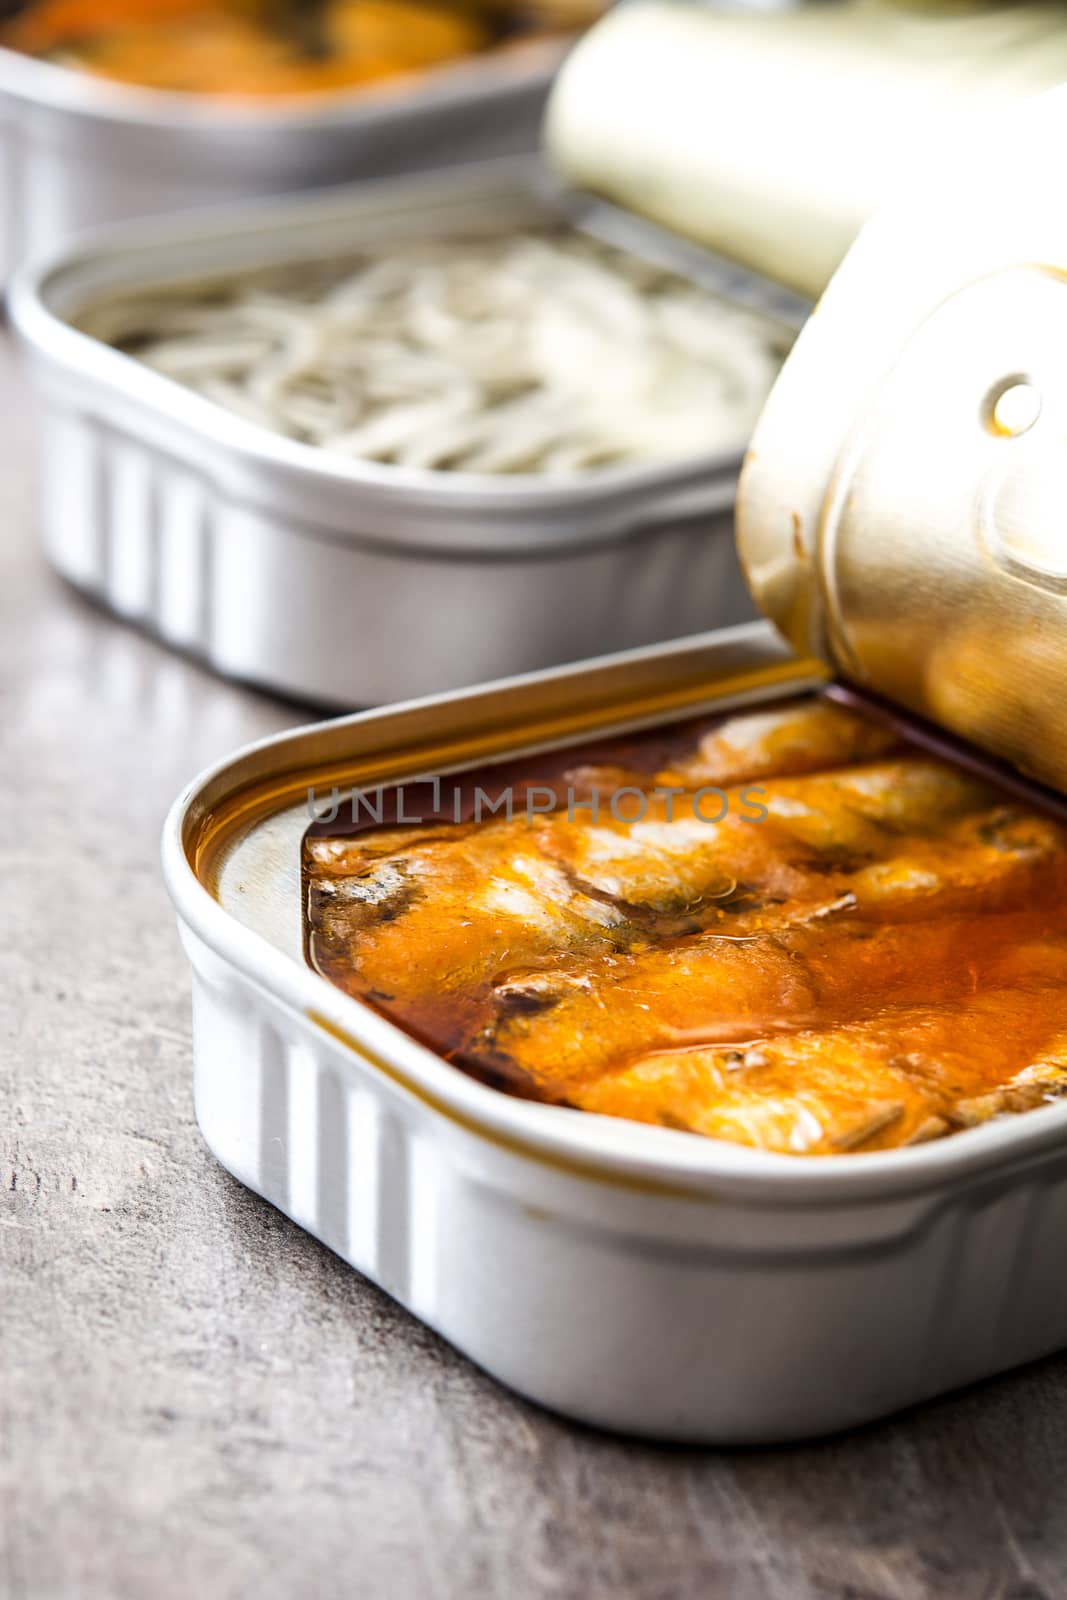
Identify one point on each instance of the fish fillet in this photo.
(797, 935)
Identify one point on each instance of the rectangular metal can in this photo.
(631, 1276)
(311, 573)
(77, 151)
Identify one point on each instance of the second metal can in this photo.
(333, 580)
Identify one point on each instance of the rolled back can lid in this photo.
(903, 508)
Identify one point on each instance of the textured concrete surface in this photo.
(197, 1400)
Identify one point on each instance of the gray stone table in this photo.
(196, 1400)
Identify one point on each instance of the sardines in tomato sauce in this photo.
(789, 929)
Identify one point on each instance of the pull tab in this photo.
(904, 508)
(1023, 515)
(957, 471)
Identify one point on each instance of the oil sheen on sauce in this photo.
(783, 928)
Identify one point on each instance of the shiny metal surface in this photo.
(771, 134)
(628, 1275)
(77, 151)
(339, 581)
(902, 509)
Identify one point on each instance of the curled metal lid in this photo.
(903, 510)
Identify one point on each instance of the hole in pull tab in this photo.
(1012, 408)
